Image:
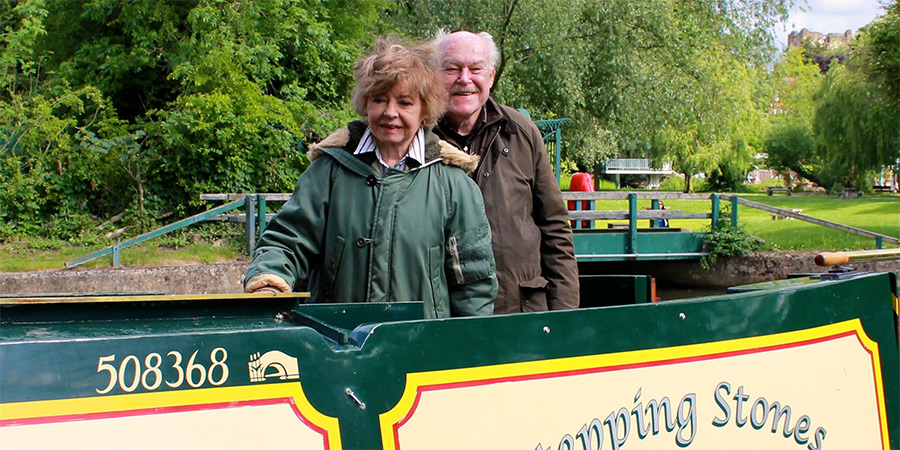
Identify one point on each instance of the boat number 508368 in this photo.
(130, 373)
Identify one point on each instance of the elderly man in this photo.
(531, 237)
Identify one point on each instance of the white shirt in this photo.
(416, 150)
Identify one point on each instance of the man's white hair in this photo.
(441, 35)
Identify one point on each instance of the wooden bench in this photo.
(850, 193)
(882, 188)
(776, 216)
(773, 189)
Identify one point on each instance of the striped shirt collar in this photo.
(416, 149)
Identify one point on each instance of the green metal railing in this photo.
(655, 211)
(552, 131)
(626, 241)
(116, 249)
(255, 218)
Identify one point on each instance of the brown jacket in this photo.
(531, 237)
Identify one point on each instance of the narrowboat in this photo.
(803, 363)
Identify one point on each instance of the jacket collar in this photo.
(492, 114)
(414, 158)
(495, 114)
(347, 139)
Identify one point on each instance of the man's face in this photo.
(468, 74)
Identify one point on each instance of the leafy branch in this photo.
(724, 241)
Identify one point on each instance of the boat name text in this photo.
(682, 419)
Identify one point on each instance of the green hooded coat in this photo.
(350, 234)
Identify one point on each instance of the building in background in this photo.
(796, 39)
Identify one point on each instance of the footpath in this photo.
(228, 277)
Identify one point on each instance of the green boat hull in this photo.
(798, 364)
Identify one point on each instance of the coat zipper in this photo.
(454, 256)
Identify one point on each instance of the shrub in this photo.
(605, 185)
(726, 240)
(672, 183)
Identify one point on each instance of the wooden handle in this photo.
(832, 258)
(836, 258)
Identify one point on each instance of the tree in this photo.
(48, 183)
(789, 140)
(789, 145)
(839, 127)
(883, 43)
(857, 130)
(683, 146)
(716, 135)
(624, 71)
(251, 80)
(145, 104)
(142, 105)
(797, 79)
(856, 121)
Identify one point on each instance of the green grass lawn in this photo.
(24, 258)
(202, 243)
(877, 214)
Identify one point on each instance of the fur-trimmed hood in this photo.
(434, 148)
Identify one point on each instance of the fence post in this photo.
(632, 223)
(591, 207)
(557, 137)
(261, 199)
(715, 212)
(734, 211)
(577, 223)
(654, 205)
(251, 230)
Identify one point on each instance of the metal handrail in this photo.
(551, 130)
(633, 214)
(115, 249)
(654, 213)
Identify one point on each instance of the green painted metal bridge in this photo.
(628, 242)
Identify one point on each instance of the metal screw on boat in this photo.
(546, 330)
(681, 316)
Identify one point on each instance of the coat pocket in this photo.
(332, 267)
(534, 294)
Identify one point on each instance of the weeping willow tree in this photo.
(857, 132)
(856, 121)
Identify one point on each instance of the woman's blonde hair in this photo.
(391, 63)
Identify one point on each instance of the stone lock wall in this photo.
(191, 279)
(228, 277)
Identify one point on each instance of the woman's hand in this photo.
(266, 290)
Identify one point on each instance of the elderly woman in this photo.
(385, 211)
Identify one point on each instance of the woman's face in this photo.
(394, 117)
